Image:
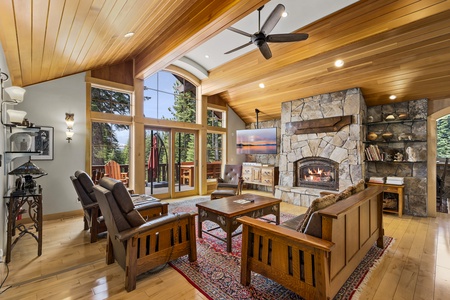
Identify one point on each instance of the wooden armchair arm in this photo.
(288, 234)
(90, 206)
(152, 224)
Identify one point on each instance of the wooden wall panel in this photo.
(120, 73)
(364, 223)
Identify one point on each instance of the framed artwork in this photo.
(43, 142)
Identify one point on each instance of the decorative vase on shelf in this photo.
(387, 136)
(372, 136)
(403, 116)
(390, 117)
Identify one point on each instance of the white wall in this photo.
(234, 123)
(46, 104)
(4, 68)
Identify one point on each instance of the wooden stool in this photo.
(217, 194)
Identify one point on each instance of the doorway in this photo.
(171, 165)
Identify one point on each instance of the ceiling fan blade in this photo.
(238, 48)
(265, 50)
(286, 37)
(239, 31)
(273, 19)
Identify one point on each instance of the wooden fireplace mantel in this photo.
(331, 124)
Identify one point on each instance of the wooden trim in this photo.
(57, 216)
(182, 72)
(331, 124)
(110, 84)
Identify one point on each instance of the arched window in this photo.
(169, 96)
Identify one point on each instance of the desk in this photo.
(14, 204)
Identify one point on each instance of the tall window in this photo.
(215, 118)
(109, 101)
(214, 146)
(110, 141)
(170, 97)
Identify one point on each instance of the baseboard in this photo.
(57, 216)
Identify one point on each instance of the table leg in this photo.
(9, 231)
(199, 223)
(39, 199)
(229, 234)
(277, 215)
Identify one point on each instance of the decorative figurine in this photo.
(398, 156)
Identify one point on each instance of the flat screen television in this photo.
(256, 141)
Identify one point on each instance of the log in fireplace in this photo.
(317, 172)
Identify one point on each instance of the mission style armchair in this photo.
(139, 246)
(230, 184)
(84, 186)
(93, 219)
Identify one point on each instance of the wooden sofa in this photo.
(312, 267)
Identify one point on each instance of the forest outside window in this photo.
(168, 96)
(110, 101)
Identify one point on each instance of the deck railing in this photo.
(212, 171)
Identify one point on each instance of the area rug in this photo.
(216, 273)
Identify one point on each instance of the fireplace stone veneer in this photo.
(344, 147)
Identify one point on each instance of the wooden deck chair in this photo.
(112, 170)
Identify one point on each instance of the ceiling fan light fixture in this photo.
(261, 85)
(338, 63)
(392, 97)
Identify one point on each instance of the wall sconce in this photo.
(69, 122)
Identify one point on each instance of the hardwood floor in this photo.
(416, 266)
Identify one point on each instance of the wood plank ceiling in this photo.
(397, 47)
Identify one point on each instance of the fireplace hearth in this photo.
(317, 172)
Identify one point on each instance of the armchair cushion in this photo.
(359, 186)
(123, 211)
(316, 205)
(87, 184)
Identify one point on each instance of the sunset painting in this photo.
(256, 141)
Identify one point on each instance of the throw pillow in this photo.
(359, 187)
(316, 205)
(344, 194)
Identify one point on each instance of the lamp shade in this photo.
(69, 120)
(28, 168)
(16, 116)
(16, 93)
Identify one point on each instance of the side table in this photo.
(393, 189)
(15, 230)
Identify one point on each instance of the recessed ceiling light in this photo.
(339, 63)
(284, 15)
(392, 97)
(206, 56)
(129, 34)
(261, 85)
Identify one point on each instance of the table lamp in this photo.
(27, 172)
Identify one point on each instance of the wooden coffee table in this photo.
(225, 211)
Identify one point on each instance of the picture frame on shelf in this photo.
(44, 143)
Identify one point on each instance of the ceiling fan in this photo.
(262, 37)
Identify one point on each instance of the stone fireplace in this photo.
(317, 172)
(337, 151)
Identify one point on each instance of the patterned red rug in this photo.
(216, 273)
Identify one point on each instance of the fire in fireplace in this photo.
(317, 172)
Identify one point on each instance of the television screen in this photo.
(256, 141)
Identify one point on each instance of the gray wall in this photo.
(234, 123)
(46, 104)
